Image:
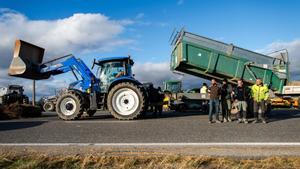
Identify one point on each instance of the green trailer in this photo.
(208, 58)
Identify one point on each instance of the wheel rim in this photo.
(48, 107)
(125, 101)
(68, 106)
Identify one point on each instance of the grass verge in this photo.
(144, 162)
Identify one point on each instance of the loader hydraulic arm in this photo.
(75, 65)
(28, 63)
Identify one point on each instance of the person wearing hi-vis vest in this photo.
(204, 91)
(260, 95)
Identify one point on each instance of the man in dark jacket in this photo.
(241, 95)
(226, 91)
(214, 96)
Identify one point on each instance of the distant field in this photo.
(143, 161)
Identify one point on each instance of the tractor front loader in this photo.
(113, 88)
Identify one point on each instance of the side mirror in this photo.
(93, 63)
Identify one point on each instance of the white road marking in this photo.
(157, 144)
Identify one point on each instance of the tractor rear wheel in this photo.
(126, 101)
(69, 106)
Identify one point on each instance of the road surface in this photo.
(171, 129)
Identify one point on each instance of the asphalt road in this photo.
(172, 127)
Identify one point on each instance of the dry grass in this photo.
(144, 162)
(15, 111)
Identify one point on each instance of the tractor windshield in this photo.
(172, 86)
(111, 70)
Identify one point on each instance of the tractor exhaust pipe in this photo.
(27, 61)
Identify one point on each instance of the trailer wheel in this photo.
(48, 106)
(126, 101)
(69, 106)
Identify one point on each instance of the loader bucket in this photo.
(27, 61)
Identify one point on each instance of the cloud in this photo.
(81, 32)
(159, 72)
(293, 48)
(180, 2)
(140, 16)
(140, 21)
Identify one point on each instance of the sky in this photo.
(142, 28)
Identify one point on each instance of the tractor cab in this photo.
(111, 69)
(173, 86)
(16, 89)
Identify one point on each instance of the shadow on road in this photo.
(148, 115)
(19, 125)
(49, 114)
(98, 117)
(173, 114)
(275, 115)
(278, 115)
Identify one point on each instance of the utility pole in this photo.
(33, 93)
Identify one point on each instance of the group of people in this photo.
(225, 97)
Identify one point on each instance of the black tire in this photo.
(138, 108)
(91, 113)
(48, 106)
(69, 106)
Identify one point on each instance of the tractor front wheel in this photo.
(69, 106)
(126, 101)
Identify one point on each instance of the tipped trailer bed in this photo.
(207, 58)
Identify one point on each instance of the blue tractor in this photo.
(114, 87)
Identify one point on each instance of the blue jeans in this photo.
(242, 108)
(213, 109)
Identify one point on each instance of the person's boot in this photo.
(260, 118)
(244, 115)
(245, 121)
(217, 118)
(263, 119)
(255, 118)
(239, 121)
